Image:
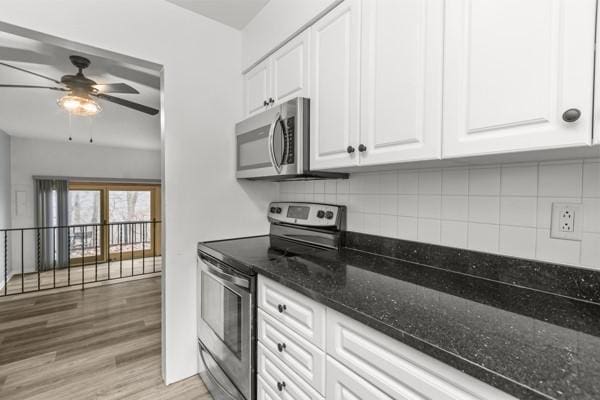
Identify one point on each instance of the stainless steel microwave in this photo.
(275, 144)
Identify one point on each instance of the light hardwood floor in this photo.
(72, 276)
(101, 343)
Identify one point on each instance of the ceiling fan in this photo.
(81, 90)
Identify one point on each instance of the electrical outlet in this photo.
(566, 222)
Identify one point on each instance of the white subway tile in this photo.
(309, 197)
(308, 186)
(591, 215)
(518, 211)
(388, 183)
(343, 186)
(430, 182)
(319, 197)
(408, 182)
(389, 225)
(430, 206)
(557, 250)
(484, 237)
(590, 250)
(330, 186)
(561, 179)
(517, 241)
(372, 224)
(388, 204)
(370, 203)
(519, 180)
(331, 199)
(484, 181)
(484, 209)
(455, 181)
(455, 208)
(408, 205)
(408, 228)
(591, 179)
(319, 186)
(455, 234)
(429, 230)
(342, 199)
(355, 221)
(371, 183)
(287, 187)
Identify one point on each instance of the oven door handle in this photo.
(276, 165)
(211, 376)
(223, 277)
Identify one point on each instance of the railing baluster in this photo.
(120, 250)
(69, 257)
(96, 253)
(54, 258)
(5, 263)
(83, 232)
(39, 257)
(132, 242)
(109, 245)
(154, 245)
(143, 247)
(22, 260)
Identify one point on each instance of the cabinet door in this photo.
(512, 68)
(343, 384)
(290, 66)
(335, 85)
(257, 88)
(402, 68)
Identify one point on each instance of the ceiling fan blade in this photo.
(33, 87)
(29, 72)
(127, 103)
(116, 88)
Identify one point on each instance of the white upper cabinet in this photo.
(290, 66)
(282, 76)
(512, 69)
(257, 88)
(402, 68)
(335, 85)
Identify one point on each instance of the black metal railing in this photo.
(45, 258)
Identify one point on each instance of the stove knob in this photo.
(278, 210)
(273, 209)
(320, 214)
(329, 214)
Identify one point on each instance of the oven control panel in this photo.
(308, 214)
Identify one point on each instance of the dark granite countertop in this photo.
(533, 338)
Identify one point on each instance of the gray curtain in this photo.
(52, 210)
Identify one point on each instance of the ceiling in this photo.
(33, 113)
(235, 13)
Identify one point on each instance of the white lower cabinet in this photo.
(359, 362)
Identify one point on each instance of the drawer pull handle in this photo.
(280, 386)
(281, 347)
(281, 308)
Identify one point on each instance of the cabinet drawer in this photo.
(263, 392)
(304, 316)
(397, 369)
(343, 384)
(279, 381)
(296, 353)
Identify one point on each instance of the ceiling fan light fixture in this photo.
(79, 105)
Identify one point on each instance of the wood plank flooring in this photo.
(101, 343)
(63, 277)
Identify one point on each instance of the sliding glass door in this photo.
(127, 212)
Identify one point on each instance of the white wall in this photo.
(275, 23)
(34, 157)
(201, 102)
(502, 209)
(4, 195)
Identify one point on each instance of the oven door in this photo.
(267, 144)
(225, 311)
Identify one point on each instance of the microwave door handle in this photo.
(272, 143)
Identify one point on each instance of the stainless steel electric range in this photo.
(226, 298)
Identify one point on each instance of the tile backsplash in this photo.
(503, 209)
